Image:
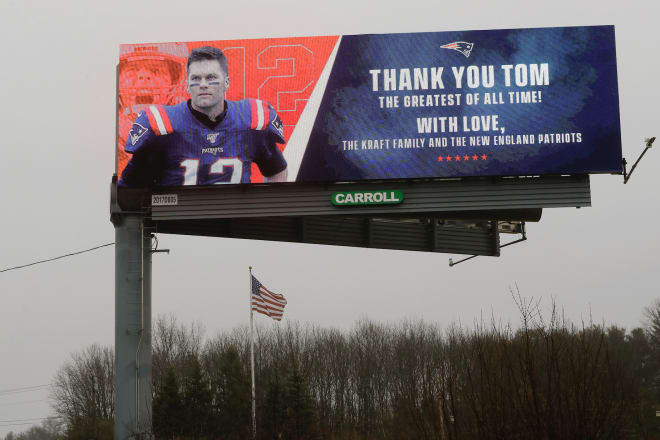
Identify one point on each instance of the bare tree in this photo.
(50, 429)
(173, 346)
(545, 378)
(82, 393)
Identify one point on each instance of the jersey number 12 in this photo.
(191, 170)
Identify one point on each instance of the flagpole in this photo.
(254, 409)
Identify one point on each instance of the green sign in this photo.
(373, 197)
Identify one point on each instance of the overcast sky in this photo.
(58, 119)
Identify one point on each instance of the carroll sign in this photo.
(353, 198)
(369, 107)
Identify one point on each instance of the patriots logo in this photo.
(461, 46)
(212, 137)
(137, 131)
(277, 125)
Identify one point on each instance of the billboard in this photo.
(369, 107)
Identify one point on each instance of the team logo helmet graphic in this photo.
(461, 46)
(212, 137)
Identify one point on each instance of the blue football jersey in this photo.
(172, 147)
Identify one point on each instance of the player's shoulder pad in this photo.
(159, 119)
(263, 117)
(154, 120)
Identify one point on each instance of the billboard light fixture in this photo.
(626, 176)
(523, 237)
(154, 246)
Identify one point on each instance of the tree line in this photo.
(546, 378)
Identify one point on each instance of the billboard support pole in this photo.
(132, 327)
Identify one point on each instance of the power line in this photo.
(26, 423)
(34, 418)
(9, 390)
(24, 389)
(24, 402)
(56, 258)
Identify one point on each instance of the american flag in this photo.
(267, 302)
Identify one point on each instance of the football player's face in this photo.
(207, 85)
(144, 83)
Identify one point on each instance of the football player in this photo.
(207, 139)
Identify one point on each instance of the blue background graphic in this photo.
(581, 97)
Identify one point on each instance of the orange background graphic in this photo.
(281, 71)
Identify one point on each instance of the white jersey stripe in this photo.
(260, 115)
(158, 118)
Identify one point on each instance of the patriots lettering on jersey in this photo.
(137, 131)
(213, 150)
(277, 125)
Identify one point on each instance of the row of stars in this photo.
(459, 158)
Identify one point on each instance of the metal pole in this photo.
(132, 328)
(143, 370)
(254, 405)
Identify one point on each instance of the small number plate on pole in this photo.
(164, 200)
